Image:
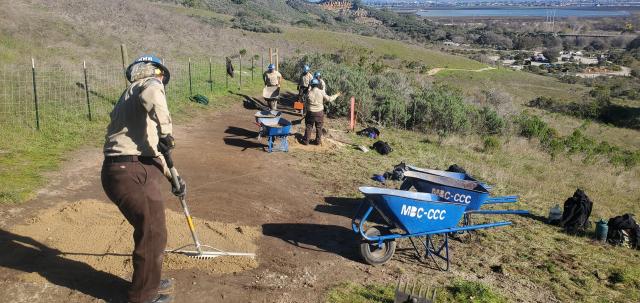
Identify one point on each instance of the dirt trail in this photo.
(231, 180)
(434, 71)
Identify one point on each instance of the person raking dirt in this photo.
(139, 132)
(314, 109)
(272, 81)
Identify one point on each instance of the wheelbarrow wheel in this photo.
(375, 254)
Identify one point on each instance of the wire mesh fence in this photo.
(50, 96)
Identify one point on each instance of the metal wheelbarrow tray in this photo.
(450, 174)
(416, 215)
(470, 193)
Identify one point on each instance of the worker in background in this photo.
(139, 131)
(272, 80)
(315, 111)
(304, 82)
(322, 85)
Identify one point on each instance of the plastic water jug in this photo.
(602, 228)
(555, 214)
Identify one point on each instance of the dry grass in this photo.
(540, 263)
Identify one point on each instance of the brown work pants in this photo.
(135, 188)
(313, 119)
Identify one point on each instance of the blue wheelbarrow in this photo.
(467, 191)
(275, 128)
(415, 214)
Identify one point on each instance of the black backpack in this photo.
(577, 210)
(382, 147)
(627, 224)
(398, 172)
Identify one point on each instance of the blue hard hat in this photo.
(315, 82)
(157, 62)
(317, 75)
(271, 67)
(305, 68)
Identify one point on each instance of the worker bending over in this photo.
(315, 111)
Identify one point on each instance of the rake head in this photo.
(406, 293)
(206, 255)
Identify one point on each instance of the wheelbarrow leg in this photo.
(436, 252)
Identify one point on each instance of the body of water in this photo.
(522, 12)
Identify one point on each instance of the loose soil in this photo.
(95, 233)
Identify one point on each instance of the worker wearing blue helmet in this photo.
(139, 132)
(322, 85)
(314, 109)
(304, 82)
(272, 82)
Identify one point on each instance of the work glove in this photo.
(166, 144)
(179, 192)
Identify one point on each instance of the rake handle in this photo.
(183, 202)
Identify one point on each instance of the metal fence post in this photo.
(252, 67)
(210, 77)
(240, 71)
(262, 65)
(35, 92)
(226, 76)
(190, 87)
(86, 88)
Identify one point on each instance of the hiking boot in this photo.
(161, 299)
(166, 286)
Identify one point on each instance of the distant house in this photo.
(538, 58)
(451, 43)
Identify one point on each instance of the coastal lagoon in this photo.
(522, 12)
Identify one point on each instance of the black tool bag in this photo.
(382, 147)
(456, 169)
(577, 209)
(368, 131)
(620, 225)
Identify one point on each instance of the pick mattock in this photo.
(199, 252)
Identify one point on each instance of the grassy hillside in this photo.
(538, 261)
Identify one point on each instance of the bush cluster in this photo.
(391, 98)
(254, 25)
(592, 108)
(577, 142)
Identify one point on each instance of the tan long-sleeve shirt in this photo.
(138, 120)
(305, 80)
(316, 99)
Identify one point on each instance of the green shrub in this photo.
(489, 122)
(442, 109)
(534, 127)
(491, 144)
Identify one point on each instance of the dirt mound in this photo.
(96, 234)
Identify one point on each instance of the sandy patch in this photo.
(96, 234)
